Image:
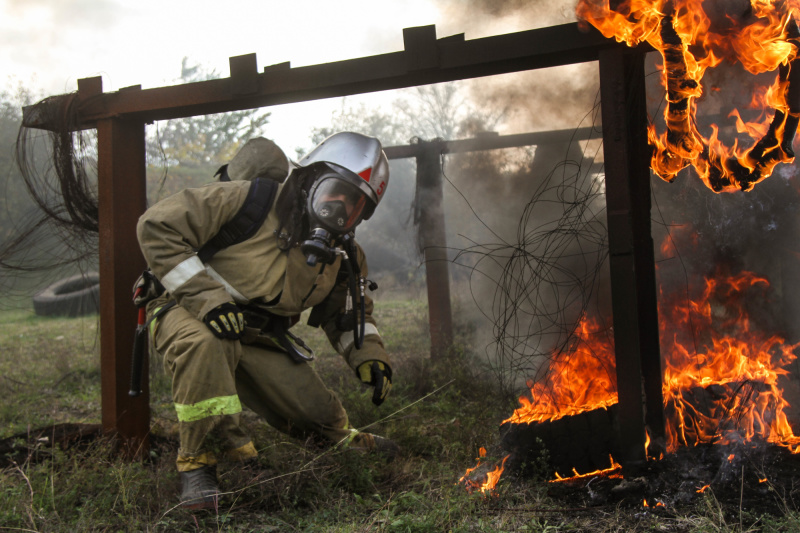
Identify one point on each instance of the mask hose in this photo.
(355, 283)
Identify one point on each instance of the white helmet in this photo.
(358, 160)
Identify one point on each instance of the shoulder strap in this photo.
(246, 221)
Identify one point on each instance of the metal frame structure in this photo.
(120, 117)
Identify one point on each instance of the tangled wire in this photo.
(58, 167)
(548, 277)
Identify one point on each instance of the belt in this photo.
(276, 327)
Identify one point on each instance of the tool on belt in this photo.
(139, 344)
(146, 288)
(276, 328)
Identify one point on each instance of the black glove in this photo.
(225, 321)
(378, 375)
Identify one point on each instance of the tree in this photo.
(16, 201)
(202, 140)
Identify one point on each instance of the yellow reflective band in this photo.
(242, 453)
(187, 464)
(153, 322)
(221, 405)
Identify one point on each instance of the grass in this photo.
(439, 412)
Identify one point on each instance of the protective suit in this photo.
(213, 377)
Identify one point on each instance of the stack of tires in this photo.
(77, 295)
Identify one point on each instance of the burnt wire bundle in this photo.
(58, 233)
(548, 277)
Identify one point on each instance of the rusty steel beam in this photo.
(121, 199)
(430, 206)
(423, 61)
(632, 263)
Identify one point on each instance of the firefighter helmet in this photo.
(356, 159)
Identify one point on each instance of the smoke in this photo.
(497, 209)
(478, 18)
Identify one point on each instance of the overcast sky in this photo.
(50, 44)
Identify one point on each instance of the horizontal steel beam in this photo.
(423, 61)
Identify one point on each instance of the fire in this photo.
(611, 471)
(708, 344)
(657, 504)
(721, 373)
(763, 39)
(581, 380)
(491, 479)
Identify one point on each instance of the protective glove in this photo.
(378, 375)
(225, 321)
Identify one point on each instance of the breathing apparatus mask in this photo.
(336, 204)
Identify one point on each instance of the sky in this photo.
(50, 44)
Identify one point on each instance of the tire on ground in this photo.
(77, 295)
(583, 441)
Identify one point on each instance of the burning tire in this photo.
(583, 442)
(77, 295)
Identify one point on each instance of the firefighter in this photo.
(222, 324)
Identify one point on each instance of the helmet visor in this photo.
(338, 204)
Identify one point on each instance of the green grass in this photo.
(439, 412)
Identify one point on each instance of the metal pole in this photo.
(122, 198)
(430, 206)
(633, 287)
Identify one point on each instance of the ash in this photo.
(757, 478)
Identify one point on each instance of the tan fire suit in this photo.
(212, 378)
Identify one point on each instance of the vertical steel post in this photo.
(633, 287)
(122, 198)
(430, 199)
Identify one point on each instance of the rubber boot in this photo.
(199, 488)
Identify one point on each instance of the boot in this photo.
(369, 442)
(386, 447)
(199, 488)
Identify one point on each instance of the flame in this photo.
(657, 504)
(611, 471)
(690, 44)
(581, 380)
(721, 373)
(708, 343)
(491, 478)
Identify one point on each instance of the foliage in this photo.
(427, 112)
(205, 139)
(12, 187)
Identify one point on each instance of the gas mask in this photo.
(336, 205)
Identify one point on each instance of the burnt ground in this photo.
(757, 479)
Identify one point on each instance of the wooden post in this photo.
(632, 263)
(122, 198)
(430, 198)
